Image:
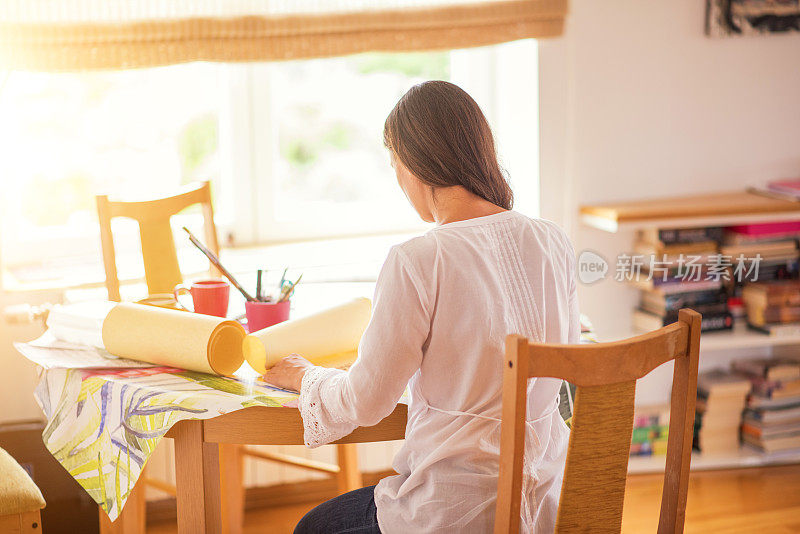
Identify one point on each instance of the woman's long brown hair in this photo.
(441, 135)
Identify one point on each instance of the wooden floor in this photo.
(763, 500)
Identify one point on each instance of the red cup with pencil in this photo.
(267, 310)
(261, 311)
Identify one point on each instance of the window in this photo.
(307, 137)
(67, 137)
(294, 150)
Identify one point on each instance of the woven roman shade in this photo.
(64, 35)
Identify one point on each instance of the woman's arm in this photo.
(334, 402)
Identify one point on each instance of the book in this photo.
(660, 303)
(783, 442)
(774, 293)
(777, 414)
(769, 193)
(676, 249)
(750, 419)
(778, 330)
(758, 316)
(768, 368)
(706, 310)
(789, 186)
(757, 402)
(732, 237)
(775, 250)
(650, 430)
(721, 398)
(775, 389)
(671, 287)
(765, 229)
(670, 236)
(646, 321)
(721, 382)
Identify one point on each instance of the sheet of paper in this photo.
(80, 323)
(51, 353)
(175, 338)
(329, 338)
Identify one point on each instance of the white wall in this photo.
(637, 102)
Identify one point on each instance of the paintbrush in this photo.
(216, 263)
(289, 290)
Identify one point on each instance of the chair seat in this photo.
(18, 493)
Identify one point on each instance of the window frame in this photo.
(244, 124)
(247, 125)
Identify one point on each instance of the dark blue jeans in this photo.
(353, 512)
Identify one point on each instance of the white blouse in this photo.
(444, 303)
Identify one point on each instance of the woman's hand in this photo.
(288, 373)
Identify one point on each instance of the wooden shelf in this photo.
(743, 338)
(742, 458)
(717, 209)
(737, 338)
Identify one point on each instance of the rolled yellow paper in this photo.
(175, 338)
(327, 338)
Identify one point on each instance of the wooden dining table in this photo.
(197, 456)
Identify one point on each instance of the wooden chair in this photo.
(162, 274)
(20, 499)
(160, 256)
(605, 374)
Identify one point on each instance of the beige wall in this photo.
(18, 376)
(637, 102)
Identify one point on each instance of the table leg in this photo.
(132, 518)
(349, 476)
(231, 462)
(197, 479)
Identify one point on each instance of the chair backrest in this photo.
(161, 268)
(605, 374)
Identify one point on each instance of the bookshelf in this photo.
(640, 465)
(714, 209)
(742, 339)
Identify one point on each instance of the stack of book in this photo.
(775, 244)
(787, 189)
(674, 275)
(650, 430)
(721, 397)
(772, 418)
(773, 307)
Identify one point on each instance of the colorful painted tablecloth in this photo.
(103, 424)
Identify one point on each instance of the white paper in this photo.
(52, 353)
(80, 323)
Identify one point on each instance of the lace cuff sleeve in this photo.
(321, 426)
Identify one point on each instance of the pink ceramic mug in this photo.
(263, 314)
(209, 297)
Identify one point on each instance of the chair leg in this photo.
(132, 518)
(349, 477)
(231, 463)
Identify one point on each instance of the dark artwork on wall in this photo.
(751, 17)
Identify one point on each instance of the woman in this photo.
(444, 303)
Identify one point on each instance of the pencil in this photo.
(258, 286)
(216, 263)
